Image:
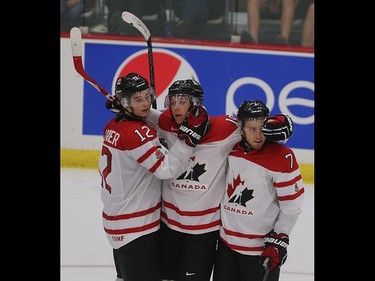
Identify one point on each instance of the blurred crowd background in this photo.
(282, 22)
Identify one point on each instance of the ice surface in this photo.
(87, 255)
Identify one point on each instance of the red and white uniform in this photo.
(191, 200)
(132, 164)
(264, 191)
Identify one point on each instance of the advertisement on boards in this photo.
(283, 80)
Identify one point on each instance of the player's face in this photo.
(253, 132)
(179, 105)
(141, 103)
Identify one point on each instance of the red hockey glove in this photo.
(275, 247)
(195, 126)
(278, 128)
(114, 106)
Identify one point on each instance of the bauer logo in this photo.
(168, 67)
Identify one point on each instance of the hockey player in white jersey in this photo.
(132, 164)
(263, 196)
(191, 200)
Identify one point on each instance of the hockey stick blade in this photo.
(76, 44)
(137, 23)
(142, 28)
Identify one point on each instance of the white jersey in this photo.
(264, 192)
(191, 200)
(132, 164)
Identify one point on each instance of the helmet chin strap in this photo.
(192, 107)
(245, 145)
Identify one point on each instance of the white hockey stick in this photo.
(142, 28)
(266, 268)
(76, 43)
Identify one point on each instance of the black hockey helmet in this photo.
(252, 109)
(130, 84)
(189, 87)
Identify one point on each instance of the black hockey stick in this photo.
(142, 28)
(76, 43)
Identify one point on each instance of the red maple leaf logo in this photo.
(237, 181)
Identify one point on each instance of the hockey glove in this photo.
(278, 128)
(275, 247)
(114, 106)
(195, 126)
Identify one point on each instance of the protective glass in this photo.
(181, 99)
(178, 99)
(253, 125)
(138, 98)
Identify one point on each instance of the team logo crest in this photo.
(237, 194)
(158, 154)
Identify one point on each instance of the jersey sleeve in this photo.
(224, 130)
(142, 143)
(290, 191)
(153, 117)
